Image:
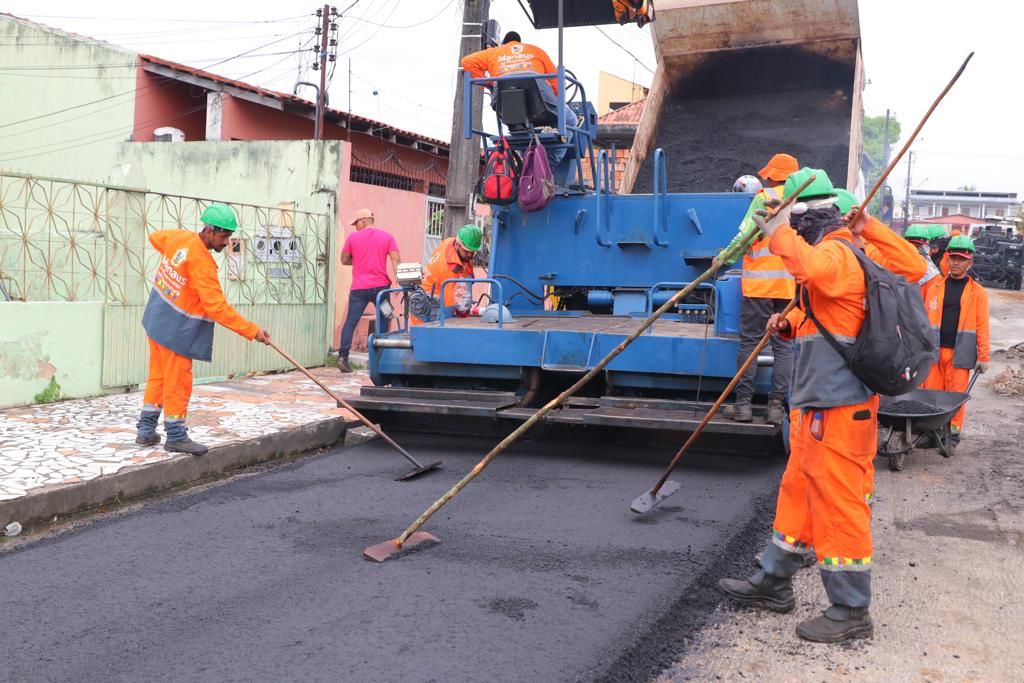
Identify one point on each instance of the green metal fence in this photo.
(62, 240)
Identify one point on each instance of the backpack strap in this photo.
(805, 300)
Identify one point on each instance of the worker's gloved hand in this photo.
(982, 366)
(262, 337)
(858, 227)
(773, 203)
(769, 224)
(777, 324)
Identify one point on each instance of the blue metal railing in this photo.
(472, 281)
(487, 82)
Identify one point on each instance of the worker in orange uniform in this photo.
(767, 288)
(833, 429)
(516, 58)
(920, 236)
(957, 307)
(185, 302)
(452, 259)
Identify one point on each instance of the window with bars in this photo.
(369, 176)
(437, 190)
(435, 218)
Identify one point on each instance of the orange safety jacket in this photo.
(764, 275)
(510, 59)
(972, 335)
(832, 281)
(186, 299)
(445, 264)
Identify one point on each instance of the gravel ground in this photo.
(948, 535)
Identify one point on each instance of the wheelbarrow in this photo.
(906, 422)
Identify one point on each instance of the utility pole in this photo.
(349, 85)
(327, 26)
(906, 200)
(464, 155)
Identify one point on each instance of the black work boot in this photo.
(836, 624)
(149, 418)
(776, 413)
(343, 365)
(178, 440)
(741, 411)
(148, 440)
(773, 592)
(186, 445)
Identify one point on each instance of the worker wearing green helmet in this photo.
(846, 200)
(452, 259)
(957, 307)
(766, 288)
(185, 302)
(833, 426)
(920, 236)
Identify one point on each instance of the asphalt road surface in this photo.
(543, 573)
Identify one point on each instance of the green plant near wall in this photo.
(50, 394)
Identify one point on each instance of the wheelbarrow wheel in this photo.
(945, 439)
(897, 461)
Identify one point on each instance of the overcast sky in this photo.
(405, 50)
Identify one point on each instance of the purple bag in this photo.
(536, 182)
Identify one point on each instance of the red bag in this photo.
(499, 183)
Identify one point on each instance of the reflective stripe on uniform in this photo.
(767, 275)
(187, 335)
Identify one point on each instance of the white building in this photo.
(938, 203)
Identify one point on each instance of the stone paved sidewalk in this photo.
(81, 440)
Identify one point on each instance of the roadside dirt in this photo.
(949, 536)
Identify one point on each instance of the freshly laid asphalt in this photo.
(543, 573)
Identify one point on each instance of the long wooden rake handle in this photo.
(580, 383)
(343, 403)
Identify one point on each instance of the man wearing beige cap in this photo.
(367, 250)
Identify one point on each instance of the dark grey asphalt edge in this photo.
(41, 507)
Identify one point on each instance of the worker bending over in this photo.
(452, 259)
(833, 430)
(957, 307)
(185, 302)
(767, 288)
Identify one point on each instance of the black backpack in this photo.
(896, 346)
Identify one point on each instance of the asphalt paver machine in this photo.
(578, 276)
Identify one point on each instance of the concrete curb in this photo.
(41, 507)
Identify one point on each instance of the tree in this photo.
(874, 146)
(968, 188)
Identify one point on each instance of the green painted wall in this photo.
(263, 172)
(40, 340)
(43, 71)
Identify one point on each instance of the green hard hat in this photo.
(845, 200)
(220, 216)
(918, 232)
(821, 187)
(961, 243)
(936, 230)
(470, 237)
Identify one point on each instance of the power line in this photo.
(624, 49)
(193, 21)
(417, 24)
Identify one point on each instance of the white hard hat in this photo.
(747, 183)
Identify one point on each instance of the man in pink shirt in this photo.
(367, 250)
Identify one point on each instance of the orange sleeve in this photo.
(819, 265)
(944, 265)
(796, 318)
(477, 63)
(897, 254)
(203, 273)
(549, 67)
(159, 239)
(984, 336)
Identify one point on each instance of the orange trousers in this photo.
(823, 499)
(945, 377)
(169, 384)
